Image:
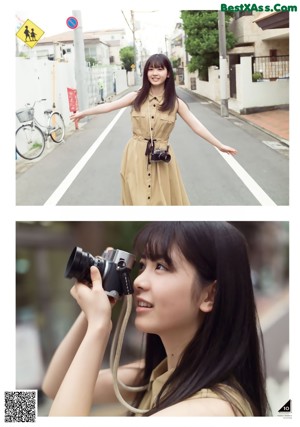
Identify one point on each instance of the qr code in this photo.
(20, 406)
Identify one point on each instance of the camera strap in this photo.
(151, 142)
(150, 128)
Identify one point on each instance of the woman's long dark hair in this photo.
(158, 60)
(228, 347)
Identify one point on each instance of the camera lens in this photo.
(165, 157)
(79, 264)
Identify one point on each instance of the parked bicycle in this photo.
(31, 136)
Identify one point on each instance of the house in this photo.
(103, 46)
(116, 39)
(273, 20)
(258, 65)
(178, 52)
(268, 47)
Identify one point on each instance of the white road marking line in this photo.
(65, 184)
(249, 182)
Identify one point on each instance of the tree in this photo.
(127, 57)
(91, 60)
(202, 39)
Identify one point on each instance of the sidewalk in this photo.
(275, 122)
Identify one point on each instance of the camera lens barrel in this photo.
(166, 157)
(79, 263)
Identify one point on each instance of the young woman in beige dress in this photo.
(146, 180)
(204, 350)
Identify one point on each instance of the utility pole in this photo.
(223, 64)
(80, 65)
(134, 47)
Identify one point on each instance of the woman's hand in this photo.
(77, 116)
(93, 300)
(227, 149)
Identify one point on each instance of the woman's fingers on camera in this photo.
(96, 278)
(109, 248)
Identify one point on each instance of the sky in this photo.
(152, 25)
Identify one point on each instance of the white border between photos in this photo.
(11, 214)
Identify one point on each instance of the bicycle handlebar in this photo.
(32, 106)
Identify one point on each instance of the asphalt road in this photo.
(85, 169)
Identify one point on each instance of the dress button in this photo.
(149, 186)
(152, 117)
(148, 197)
(149, 174)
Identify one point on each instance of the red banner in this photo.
(73, 100)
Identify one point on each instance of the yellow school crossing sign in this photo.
(30, 33)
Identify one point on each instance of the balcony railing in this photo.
(271, 67)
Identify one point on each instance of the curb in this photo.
(239, 116)
(279, 138)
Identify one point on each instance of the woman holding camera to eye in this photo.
(194, 301)
(149, 172)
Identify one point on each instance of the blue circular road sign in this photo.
(72, 22)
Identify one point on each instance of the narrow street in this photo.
(84, 170)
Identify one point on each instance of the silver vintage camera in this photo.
(114, 266)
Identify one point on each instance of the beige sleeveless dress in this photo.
(156, 183)
(159, 377)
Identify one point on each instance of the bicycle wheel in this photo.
(30, 142)
(57, 123)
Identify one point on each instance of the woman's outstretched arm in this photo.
(200, 129)
(125, 101)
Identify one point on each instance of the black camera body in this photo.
(155, 154)
(160, 156)
(114, 266)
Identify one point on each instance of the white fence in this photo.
(37, 79)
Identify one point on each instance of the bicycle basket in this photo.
(25, 114)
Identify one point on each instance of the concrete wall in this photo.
(38, 78)
(259, 94)
(209, 89)
(250, 95)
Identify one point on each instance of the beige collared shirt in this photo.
(151, 183)
(159, 377)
